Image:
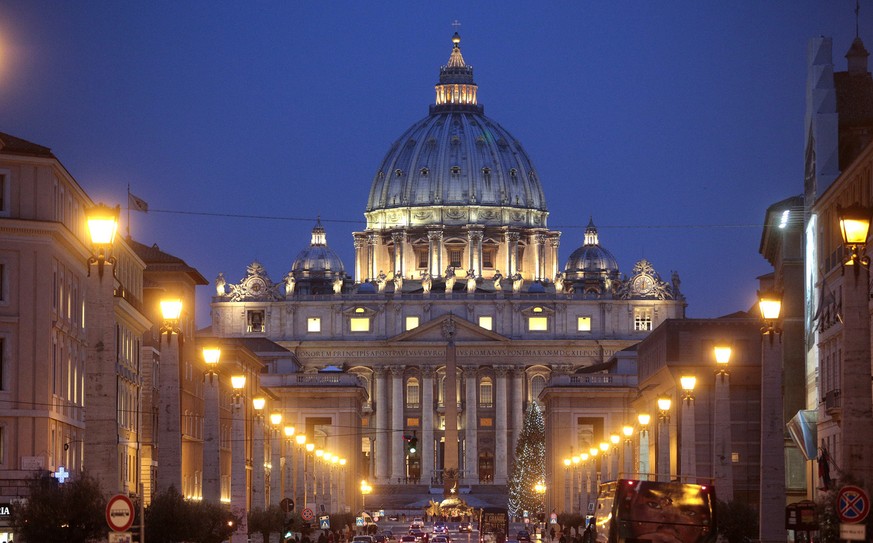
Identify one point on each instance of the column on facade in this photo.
(512, 252)
(722, 466)
(427, 427)
(398, 454)
(170, 423)
(238, 475)
(554, 262)
(211, 441)
(517, 406)
(372, 263)
(361, 257)
(500, 426)
(382, 444)
(474, 238)
(471, 424)
(539, 246)
(435, 252)
(259, 498)
(399, 239)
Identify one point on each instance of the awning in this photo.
(802, 428)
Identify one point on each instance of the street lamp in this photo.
(275, 458)
(663, 465)
(722, 461)
(365, 489)
(643, 419)
(102, 226)
(628, 452)
(211, 426)
(771, 479)
(854, 229)
(170, 427)
(238, 483)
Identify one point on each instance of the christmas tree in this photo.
(529, 468)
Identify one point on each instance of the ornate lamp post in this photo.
(856, 451)
(722, 460)
(259, 497)
(628, 431)
(275, 462)
(288, 463)
(238, 484)
(308, 465)
(170, 425)
(365, 489)
(569, 483)
(643, 419)
(584, 483)
(688, 445)
(772, 477)
(604, 461)
(663, 465)
(211, 426)
(300, 471)
(614, 440)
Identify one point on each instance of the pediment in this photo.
(432, 331)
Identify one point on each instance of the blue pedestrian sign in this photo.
(359, 521)
(324, 522)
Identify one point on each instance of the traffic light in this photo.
(411, 444)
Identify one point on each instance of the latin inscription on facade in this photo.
(471, 352)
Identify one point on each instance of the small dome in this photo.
(318, 261)
(591, 261)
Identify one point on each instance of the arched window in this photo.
(537, 384)
(412, 392)
(486, 392)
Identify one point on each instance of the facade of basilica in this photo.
(455, 314)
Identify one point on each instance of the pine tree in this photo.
(529, 467)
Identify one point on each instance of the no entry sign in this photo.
(119, 513)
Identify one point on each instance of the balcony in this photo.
(833, 405)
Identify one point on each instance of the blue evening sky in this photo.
(674, 124)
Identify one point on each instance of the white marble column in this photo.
(211, 441)
(372, 242)
(427, 427)
(398, 238)
(539, 246)
(435, 252)
(554, 263)
(398, 454)
(361, 258)
(381, 443)
(471, 423)
(512, 252)
(474, 239)
(516, 408)
(500, 427)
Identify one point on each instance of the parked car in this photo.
(523, 536)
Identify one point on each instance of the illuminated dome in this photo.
(318, 261)
(591, 261)
(456, 166)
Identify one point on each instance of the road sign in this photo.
(853, 532)
(119, 513)
(324, 522)
(853, 504)
(120, 537)
(307, 514)
(359, 521)
(287, 505)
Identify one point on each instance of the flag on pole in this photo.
(136, 203)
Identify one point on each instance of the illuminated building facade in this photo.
(456, 313)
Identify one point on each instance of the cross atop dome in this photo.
(456, 89)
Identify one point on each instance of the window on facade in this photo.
(412, 392)
(359, 324)
(519, 266)
(313, 324)
(455, 257)
(486, 322)
(486, 422)
(486, 392)
(489, 255)
(412, 322)
(538, 324)
(583, 324)
(255, 321)
(421, 257)
(642, 319)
